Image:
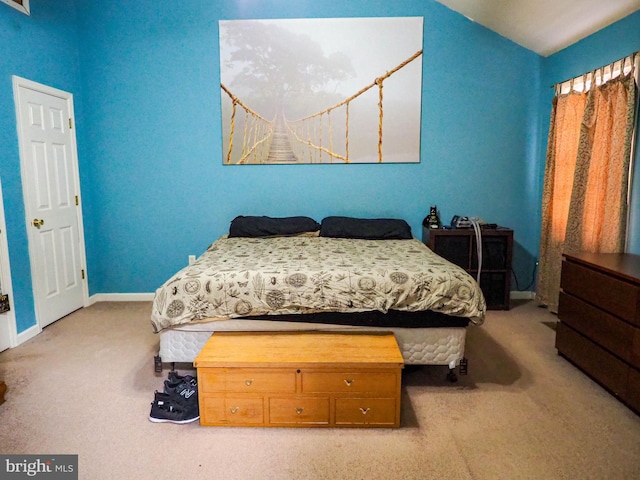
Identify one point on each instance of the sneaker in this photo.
(182, 389)
(165, 409)
(174, 377)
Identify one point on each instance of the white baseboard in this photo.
(517, 295)
(120, 297)
(28, 334)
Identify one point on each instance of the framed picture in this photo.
(21, 5)
(321, 91)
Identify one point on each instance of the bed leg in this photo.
(451, 376)
(173, 366)
(157, 364)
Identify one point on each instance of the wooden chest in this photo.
(301, 379)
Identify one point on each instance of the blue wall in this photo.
(42, 47)
(151, 138)
(145, 79)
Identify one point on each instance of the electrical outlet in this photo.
(192, 258)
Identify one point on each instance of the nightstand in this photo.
(459, 247)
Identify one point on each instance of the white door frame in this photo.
(68, 97)
(5, 275)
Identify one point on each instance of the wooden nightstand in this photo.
(459, 247)
(301, 379)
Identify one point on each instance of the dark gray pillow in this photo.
(365, 228)
(249, 226)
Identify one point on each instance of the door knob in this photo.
(37, 223)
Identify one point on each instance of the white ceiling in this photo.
(544, 26)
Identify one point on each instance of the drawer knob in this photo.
(248, 382)
(364, 410)
(234, 409)
(348, 382)
(299, 410)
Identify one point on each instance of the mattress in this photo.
(419, 346)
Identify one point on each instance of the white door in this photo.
(51, 188)
(7, 319)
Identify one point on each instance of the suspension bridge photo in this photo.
(321, 91)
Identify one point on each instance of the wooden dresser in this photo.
(300, 380)
(599, 320)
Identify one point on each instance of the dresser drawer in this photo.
(231, 410)
(366, 411)
(240, 380)
(599, 364)
(372, 383)
(604, 291)
(633, 392)
(634, 359)
(600, 327)
(299, 410)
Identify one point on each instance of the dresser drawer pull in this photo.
(234, 409)
(299, 410)
(364, 410)
(348, 383)
(248, 382)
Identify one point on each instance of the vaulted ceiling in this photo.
(544, 26)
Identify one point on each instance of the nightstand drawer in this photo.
(299, 410)
(365, 411)
(329, 382)
(242, 380)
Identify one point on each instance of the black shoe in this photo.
(166, 409)
(174, 377)
(183, 390)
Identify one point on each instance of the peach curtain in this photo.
(584, 200)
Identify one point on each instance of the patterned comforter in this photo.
(239, 277)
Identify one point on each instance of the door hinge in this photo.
(70, 123)
(77, 201)
(82, 273)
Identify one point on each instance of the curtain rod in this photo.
(631, 55)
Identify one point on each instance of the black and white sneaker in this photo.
(164, 408)
(183, 389)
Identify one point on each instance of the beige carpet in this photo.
(84, 386)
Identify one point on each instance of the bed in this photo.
(287, 274)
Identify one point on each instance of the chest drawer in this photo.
(607, 292)
(242, 380)
(299, 410)
(366, 411)
(231, 410)
(374, 383)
